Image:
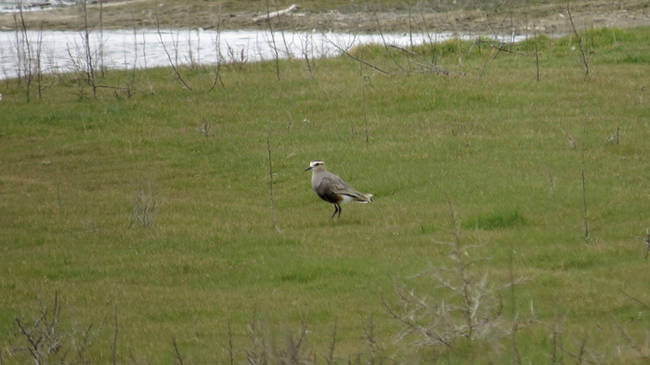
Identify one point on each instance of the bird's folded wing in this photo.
(336, 185)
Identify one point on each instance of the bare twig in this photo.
(585, 60)
(584, 205)
(231, 352)
(268, 150)
(365, 108)
(306, 43)
(27, 56)
(642, 303)
(647, 241)
(536, 57)
(116, 331)
(556, 342)
(275, 48)
(90, 69)
(39, 70)
(101, 37)
(173, 65)
(516, 358)
(177, 353)
(424, 63)
(345, 52)
(332, 346)
(499, 49)
(217, 73)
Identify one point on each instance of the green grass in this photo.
(488, 138)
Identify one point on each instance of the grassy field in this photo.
(150, 216)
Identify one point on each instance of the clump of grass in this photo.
(496, 220)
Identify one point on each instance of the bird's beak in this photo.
(307, 169)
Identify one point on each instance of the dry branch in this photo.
(275, 14)
(169, 57)
(585, 60)
(345, 52)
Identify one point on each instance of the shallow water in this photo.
(65, 51)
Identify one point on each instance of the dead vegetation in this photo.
(467, 16)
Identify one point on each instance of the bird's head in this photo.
(315, 165)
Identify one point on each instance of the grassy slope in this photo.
(496, 146)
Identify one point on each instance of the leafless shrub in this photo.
(264, 351)
(42, 338)
(236, 59)
(330, 353)
(44, 341)
(145, 207)
(306, 44)
(573, 144)
(462, 304)
(377, 351)
(204, 128)
(89, 57)
(28, 58)
(217, 72)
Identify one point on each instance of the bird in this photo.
(333, 189)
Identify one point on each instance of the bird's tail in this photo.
(366, 198)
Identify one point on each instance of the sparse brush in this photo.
(145, 207)
(45, 340)
(461, 303)
(265, 351)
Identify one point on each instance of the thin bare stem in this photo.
(647, 241)
(116, 330)
(179, 357)
(231, 351)
(101, 37)
(585, 60)
(642, 303)
(365, 108)
(268, 150)
(90, 69)
(584, 205)
(330, 354)
(345, 52)
(275, 48)
(27, 57)
(536, 56)
(179, 77)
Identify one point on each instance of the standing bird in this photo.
(332, 188)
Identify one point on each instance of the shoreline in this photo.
(541, 19)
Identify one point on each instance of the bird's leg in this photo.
(340, 209)
(336, 209)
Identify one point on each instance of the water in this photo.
(65, 51)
